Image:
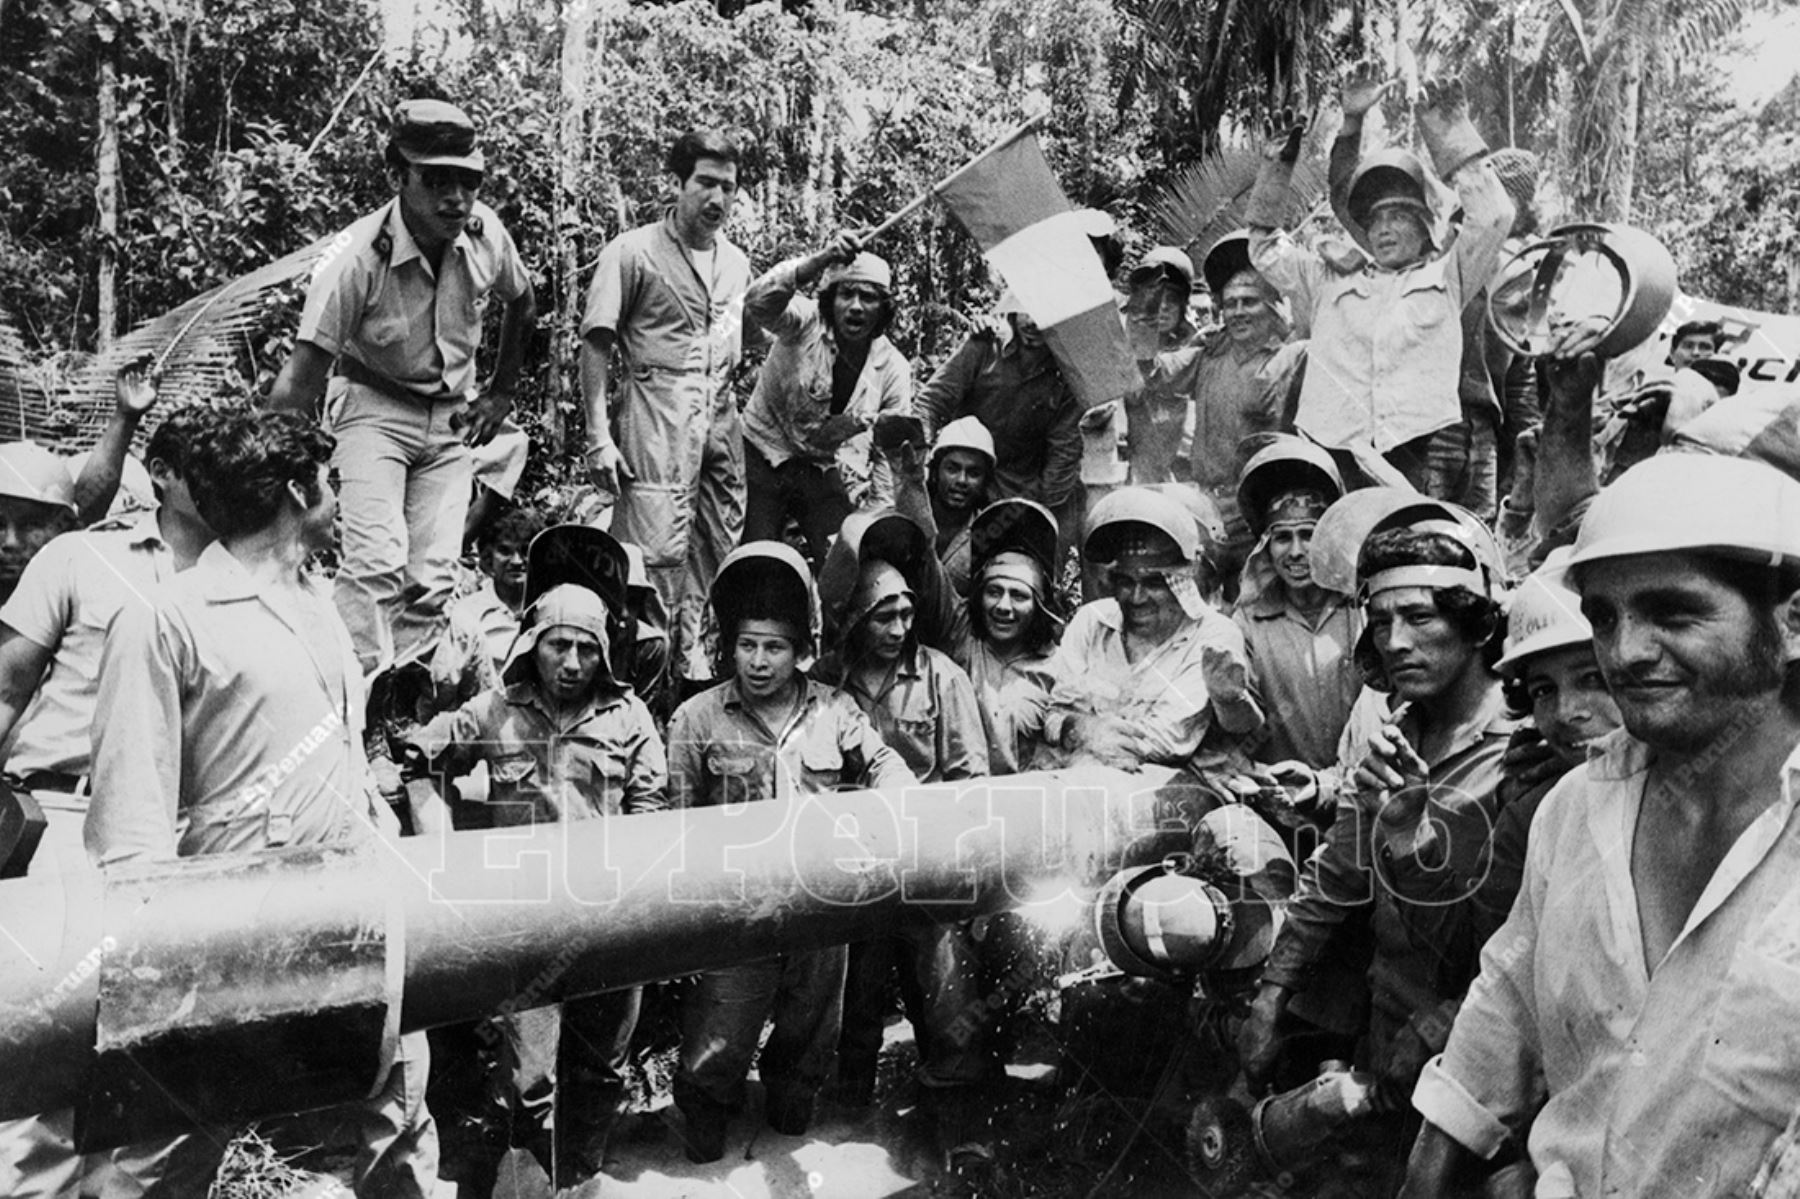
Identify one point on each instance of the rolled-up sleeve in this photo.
(770, 303)
(1489, 1079)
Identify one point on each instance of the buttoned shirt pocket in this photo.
(1752, 1049)
(513, 789)
(740, 771)
(1425, 298)
(821, 767)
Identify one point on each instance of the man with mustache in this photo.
(395, 310)
(830, 374)
(1632, 1031)
(663, 430)
(1422, 763)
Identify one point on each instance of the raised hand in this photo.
(134, 390)
(1284, 136)
(1444, 100)
(1363, 88)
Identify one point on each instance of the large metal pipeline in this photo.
(159, 997)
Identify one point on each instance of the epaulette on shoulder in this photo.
(113, 524)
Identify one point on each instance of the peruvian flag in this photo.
(1011, 204)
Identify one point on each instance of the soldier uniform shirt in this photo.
(375, 298)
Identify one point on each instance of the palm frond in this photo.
(194, 346)
(1207, 199)
(24, 392)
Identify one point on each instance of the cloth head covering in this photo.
(878, 583)
(1302, 505)
(864, 268)
(564, 606)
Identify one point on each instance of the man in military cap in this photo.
(395, 310)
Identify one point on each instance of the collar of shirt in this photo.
(1489, 720)
(811, 693)
(405, 248)
(1011, 347)
(1272, 604)
(527, 695)
(1612, 816)
(908, 667)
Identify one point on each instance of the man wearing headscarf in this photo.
(830, 374)
(563, 741)
(1143, 676)
(924, 707)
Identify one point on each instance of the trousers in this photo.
(403, 494)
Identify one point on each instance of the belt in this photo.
(366, 376)
(55, 780)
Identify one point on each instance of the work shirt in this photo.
(375, 297)
(229, 718)
(602, 759)
(1423, 917)
(670, 323)
(1231, 392)
(1034, 417)
(1303, 671)
(793, 393)
(469, 656)
(1385, 356)
(1163, 694)
(1013, 694)
(1670, 1082)
(721, 752)
(925, 708)
(68, 595)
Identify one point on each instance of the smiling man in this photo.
(1387, 342)
(1633, 1029)
(396, 311)
(1410, 841)
(830, 374)
(663, 430)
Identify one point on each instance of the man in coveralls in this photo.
(670, 297)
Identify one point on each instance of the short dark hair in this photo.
(1709, 329)
(175, 436)
(1478, 620)
(518, 524)
(239, 467)
(696, 144)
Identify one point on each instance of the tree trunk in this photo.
(1631, 96)
(106, 184)
(578, 20)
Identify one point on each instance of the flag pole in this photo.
(919, 201)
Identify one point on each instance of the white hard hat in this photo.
(1694, 502)
(1544, 614)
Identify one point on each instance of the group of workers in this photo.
(1535, 752)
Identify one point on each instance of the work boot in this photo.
(788, 1113)
(703, 1132)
